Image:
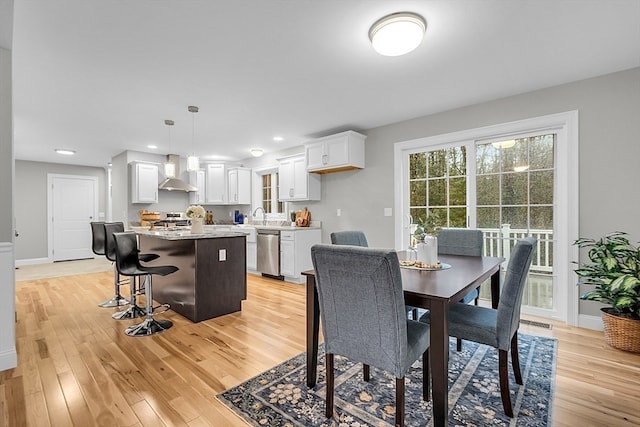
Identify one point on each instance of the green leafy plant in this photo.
(614, 270)
(429, 225)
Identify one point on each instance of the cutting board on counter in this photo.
(303, 218)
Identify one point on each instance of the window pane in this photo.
(437, 163)
(515, 156)
(458, 192)
(487, 159)
(541, 187)
(418, 193)
(488, 190)
(457, 161)
(541, 152)
(488, 217)
(542, 217)
(515, 189)
(418, 214)
(437, 192)
(516, 216)
(417, 165)
(438, 216)
(458, 217)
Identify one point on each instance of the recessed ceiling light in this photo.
(65, 151)
(256, 152)
(398, 33)
(151, 146)
(278, 138)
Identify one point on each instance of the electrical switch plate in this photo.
(387, 212)
(222, 255)
(338, 212)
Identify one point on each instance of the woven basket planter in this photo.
(620, 332)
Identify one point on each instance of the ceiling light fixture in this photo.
(65, 152)
(152, 146)
(256, 152)
(520, 168)
(169, 166)
(398, 33)
(504, 144)
(278, 138)
(193, 163)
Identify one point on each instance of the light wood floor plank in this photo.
(76, 366)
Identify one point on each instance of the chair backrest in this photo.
(512, 290)
(127, 262)
(110, 243)
(353, 238)
(460, 241)
(362, 305)
(97, 238)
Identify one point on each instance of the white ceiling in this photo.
(100, 77)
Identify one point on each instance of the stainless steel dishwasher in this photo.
(268, 248)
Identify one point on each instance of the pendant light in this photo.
(169, 166)
(193, 163)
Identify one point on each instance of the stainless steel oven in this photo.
(268, 248)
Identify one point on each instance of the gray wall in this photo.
(31, 203)
(6, 148)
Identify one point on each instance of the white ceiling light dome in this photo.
(398, 33)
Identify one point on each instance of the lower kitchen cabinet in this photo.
(295, 252)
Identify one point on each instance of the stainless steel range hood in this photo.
(175, 184)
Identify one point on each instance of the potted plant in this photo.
(614, 270)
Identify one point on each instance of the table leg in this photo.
(313, 324)
(495, 289)
(439, 350)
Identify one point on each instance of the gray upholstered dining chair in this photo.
(357, 238)
(498, 328)
(462, 241)
(363, 317)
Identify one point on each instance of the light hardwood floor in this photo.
(77, 368)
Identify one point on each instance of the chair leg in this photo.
(458, 344)
(426, 375)
(400, 402)
(329, 376)
(504, 383)
(515, 359)
(117, 299)
(366, 372)
(414, 314)
(150, 325)
(133, 311)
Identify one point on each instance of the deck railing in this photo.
(500, 241)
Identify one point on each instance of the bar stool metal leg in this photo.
(117, 299)
(134, 310)
(150, 325)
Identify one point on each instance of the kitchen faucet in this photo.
(264, 217)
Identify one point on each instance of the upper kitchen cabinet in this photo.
(198, 179)
(227, 185)
(336, 153)
(295, 182)
(239, 186)
(144, 182)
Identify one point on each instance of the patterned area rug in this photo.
(280, 397)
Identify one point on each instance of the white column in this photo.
(8, 355)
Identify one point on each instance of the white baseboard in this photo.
(32, 261)
(590, 322)
(8, 359)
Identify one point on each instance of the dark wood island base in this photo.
(212, 279)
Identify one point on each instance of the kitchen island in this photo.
(212, 279)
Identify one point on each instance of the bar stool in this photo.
(128, 264)
(133, 310)
(98, 247)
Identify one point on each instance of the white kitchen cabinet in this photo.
(216, 184)
(144, 182)
(335, 153)
(295, 182)
(295, 252)
(239, 186)
(198, 179)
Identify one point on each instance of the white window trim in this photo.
(256, 197)
(565, 125)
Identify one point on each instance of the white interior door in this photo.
(73, 205)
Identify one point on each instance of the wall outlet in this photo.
(222, 255)
(388, 212)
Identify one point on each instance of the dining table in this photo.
(431, 289)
